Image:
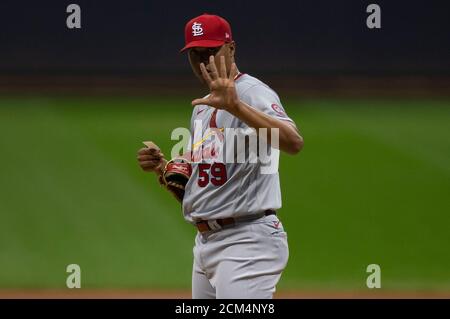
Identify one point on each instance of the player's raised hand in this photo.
(222, 88)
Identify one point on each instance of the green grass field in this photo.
(371, 186)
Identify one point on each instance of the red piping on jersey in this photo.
(238, 76)
(212, 121)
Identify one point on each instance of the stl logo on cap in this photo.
(206, 31)
(197, 29)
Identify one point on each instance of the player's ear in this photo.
(232, 48)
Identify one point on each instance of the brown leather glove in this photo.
(175, 176)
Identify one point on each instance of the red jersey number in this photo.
(215, 173)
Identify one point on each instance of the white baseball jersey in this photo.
(218, 188)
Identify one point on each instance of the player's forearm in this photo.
(290, 140)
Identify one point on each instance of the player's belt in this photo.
(217, 224)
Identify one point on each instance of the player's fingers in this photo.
(223, 67)
(141, 150)
(148, 151)
(149, 164)
(205, 73)
(233, 71)
(213, 68)
(200, 102)
(142, 158)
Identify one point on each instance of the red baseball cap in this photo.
(206, 31)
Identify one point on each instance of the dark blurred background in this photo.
(302, 46)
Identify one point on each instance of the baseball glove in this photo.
(175, 176)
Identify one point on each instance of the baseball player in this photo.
(241, 247)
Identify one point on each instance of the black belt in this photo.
(216, 224)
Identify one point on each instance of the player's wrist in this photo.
(159, 171)
(236, 108)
